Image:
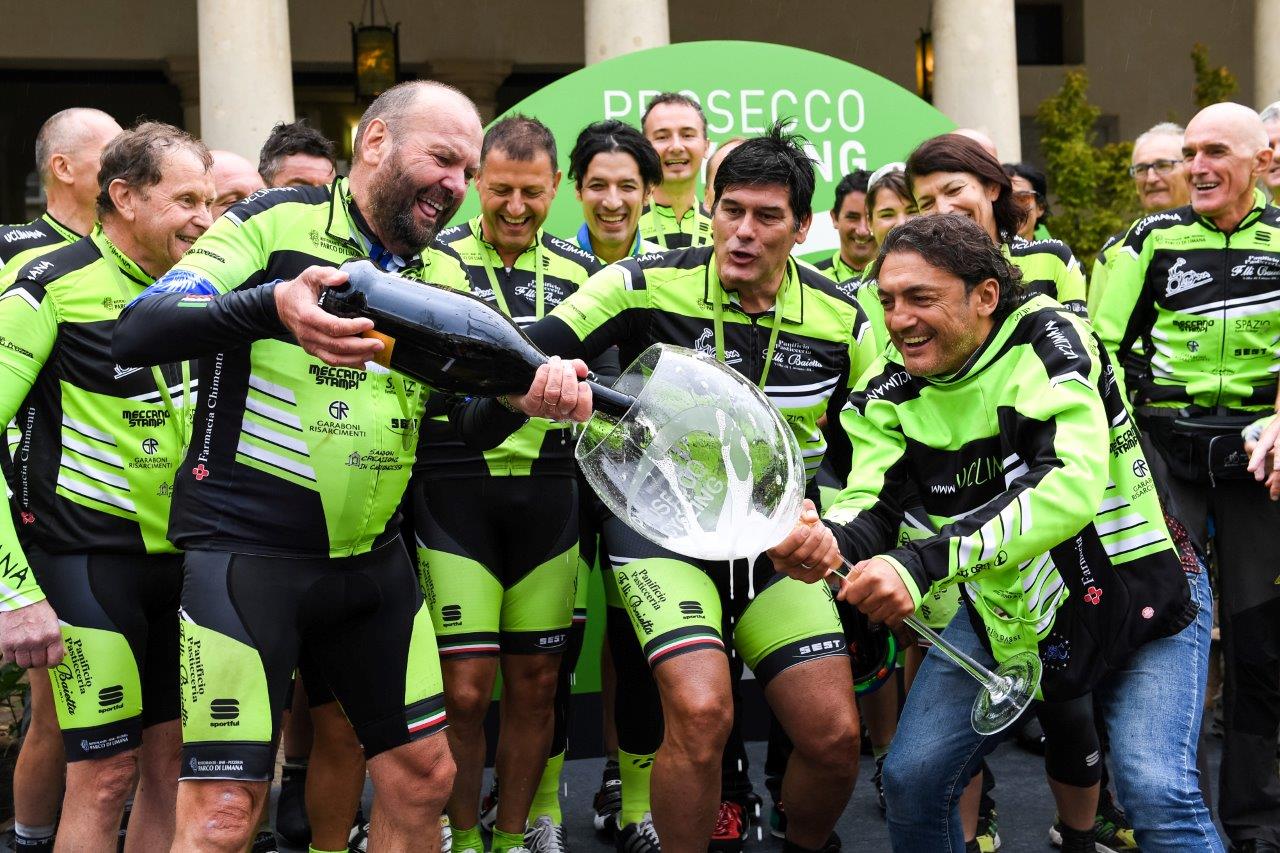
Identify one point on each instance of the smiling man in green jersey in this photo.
(498, 530)
(857, 247)
(94, 475)
(785, 327)
(68, 153)
(286, 501)
(1199, 286)
(1002, 415)
(677, 128)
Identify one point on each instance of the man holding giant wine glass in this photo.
(301, 450)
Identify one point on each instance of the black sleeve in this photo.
(158, 328)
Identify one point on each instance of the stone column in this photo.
(1266, 53)
(183, 72)
(975, 69)
(478, 79)
(615, 27)
(246, 72)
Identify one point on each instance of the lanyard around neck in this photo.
(492, 257)
(717, 297)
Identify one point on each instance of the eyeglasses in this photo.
(1161, 167)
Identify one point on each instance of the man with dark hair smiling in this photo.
(784, 326)
(1060, 548)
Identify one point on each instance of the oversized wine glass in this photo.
(705, 466)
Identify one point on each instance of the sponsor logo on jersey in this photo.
(1181, 280)
(691, 609)
(338, 410)
(38, 269)
(1251, 324)
(893, 380)
(337, 377)
(1125, 442)
(795, 355)
(145, 417)
(122, 372)
(1147, 222)
(1251, 352)
(404, 425)
(22, 234)
(10, 345)
(451, 614)
(150, 446)
(1257, 266)
(705, 345)
(1059, 339)
(1193, 326)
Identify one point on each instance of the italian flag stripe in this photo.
(685, 642)
(426, 722)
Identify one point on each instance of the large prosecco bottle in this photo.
(450, 340)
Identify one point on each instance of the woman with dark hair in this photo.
(953, 174)
(1030, 191)
(614, 168)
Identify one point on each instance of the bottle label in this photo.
(388, 344)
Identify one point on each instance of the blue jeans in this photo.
(1151, 708)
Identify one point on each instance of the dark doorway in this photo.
(28, 97)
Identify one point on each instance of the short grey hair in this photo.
(1164, 128)
(61, 133)
(1271, 112)
(392, 104)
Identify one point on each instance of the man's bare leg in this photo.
(217, 815)
(94, 801)
(411, 784)
(335, 780)
(524, 738)
(38, 777)
(468, 690)
(697, 706)
(814, 703)
(151, 824)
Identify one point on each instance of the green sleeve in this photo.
(1113, 307)
(609, 309)
(28, 331)
(1071, 287)
(1097, 281)
(1063, 439)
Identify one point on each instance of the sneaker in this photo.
(988, 837)
(292, 824)
(1111, 828)
(778, 820)
(546, 837)
(608, 800)
(638, 837)
(877, 779)
(446, 834)
(264, 842)
(358, 840)
(732, 826)
(489, 807)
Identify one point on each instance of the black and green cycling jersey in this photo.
(289, 455)
(1027, 464)
(1204, 304)
(658, 224)
(1049, 267)
(22, 243)
(804, 353)
(99, 443)
(543, 276)
(837, 270)
(1101, 264)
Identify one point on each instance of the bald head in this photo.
(404, 100)
(234, 178)
(1226, 151)
(713, 165)
(72, 131)
(979, 137)
(68, 156)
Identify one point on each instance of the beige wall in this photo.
(1136, 51)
